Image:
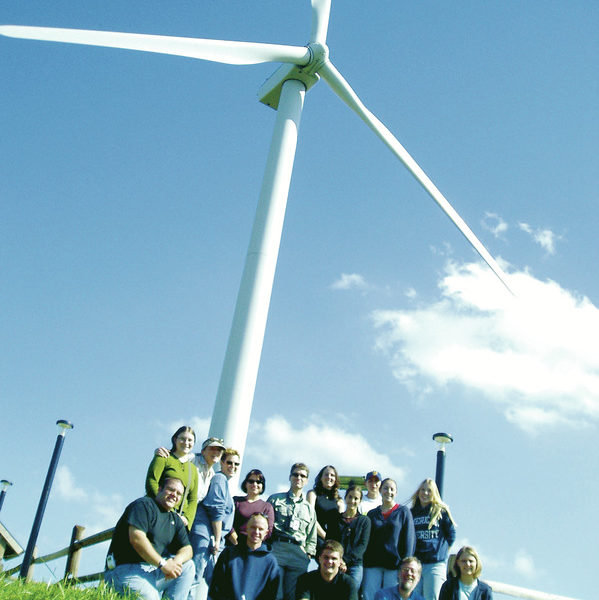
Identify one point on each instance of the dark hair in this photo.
(179, 431)
(164, 478)
(320, 490)
(353, 487)
(260, 476)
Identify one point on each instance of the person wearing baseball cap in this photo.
(212, 450)
(373, 497)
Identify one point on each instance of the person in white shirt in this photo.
(372, 499)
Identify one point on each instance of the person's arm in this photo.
(448, 528)
(233, 537)
(271, 587)
(362, 536)
(311, 537)
(217, 528)
(215, 505)
(407, 535)
(171, 567)
(191, 503)
(269, 511)
(153, 475)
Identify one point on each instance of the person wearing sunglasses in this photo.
(245, 506)
(213, 521)
(294, 533)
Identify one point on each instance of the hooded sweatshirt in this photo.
(241, 571)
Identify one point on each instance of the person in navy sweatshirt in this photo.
(392, 538)
(435, 533)
(247, 570)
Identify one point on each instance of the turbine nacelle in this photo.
(270, 91)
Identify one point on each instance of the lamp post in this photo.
(442, 439)
(63, 427)
(4, 485)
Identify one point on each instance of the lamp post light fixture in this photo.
(63, 427)
(442, 439)
(4, 485)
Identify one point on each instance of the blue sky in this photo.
(128, 183)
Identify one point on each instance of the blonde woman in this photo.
(435, 533)
(465, 583)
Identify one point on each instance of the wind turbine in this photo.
(284, 91)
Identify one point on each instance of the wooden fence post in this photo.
(74, 556)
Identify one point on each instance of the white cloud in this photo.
(524, 564)
(282, 444)
(533, 355)
(64, 484)
(544, 237)
(495, 224)
(105, 510)
(349, 281)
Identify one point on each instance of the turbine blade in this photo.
(321, 9)
(340, 86)
(232, 53)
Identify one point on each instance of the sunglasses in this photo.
(254, 481)
(232, 463)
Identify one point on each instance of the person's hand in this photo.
(232, 537)
(185, 521)
(215, 547)
(162, 451)
(342, 567)
(171, 569)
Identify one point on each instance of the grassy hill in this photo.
(15, 589)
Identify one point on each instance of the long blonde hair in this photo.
(437, 505)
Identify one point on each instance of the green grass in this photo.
(16, 589)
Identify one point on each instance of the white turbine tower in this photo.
(284, 91)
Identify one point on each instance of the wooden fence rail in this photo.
(73, 554)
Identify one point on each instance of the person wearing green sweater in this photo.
(178, 464)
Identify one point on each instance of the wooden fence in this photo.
(73, 554)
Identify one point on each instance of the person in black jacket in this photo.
(464, 579)
(352, 530)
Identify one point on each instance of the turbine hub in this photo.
(319, 54)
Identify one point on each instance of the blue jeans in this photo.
(149, 581)
(375, 579)
(293, 562)
(356, 572)
(204, 561)
(433, 576)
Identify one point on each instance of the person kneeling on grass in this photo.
(248, 570)
(150, 551)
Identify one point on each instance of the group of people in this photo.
(190, 539)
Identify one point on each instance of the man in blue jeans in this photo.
(150, 552)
